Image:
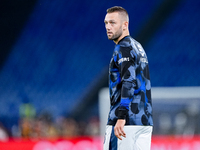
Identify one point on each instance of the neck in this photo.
(121, 37)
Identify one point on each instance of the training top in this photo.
(129, 84)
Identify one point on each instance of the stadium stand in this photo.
(61, 52)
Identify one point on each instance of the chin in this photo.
(110, 38)
(113, 38)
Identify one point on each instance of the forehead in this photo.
(112, 16)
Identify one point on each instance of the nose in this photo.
(108, 26)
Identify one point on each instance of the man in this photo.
(130, 120)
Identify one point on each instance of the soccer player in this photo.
(130, 122)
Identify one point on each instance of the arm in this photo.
(127, 71)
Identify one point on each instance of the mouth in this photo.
(109, 33)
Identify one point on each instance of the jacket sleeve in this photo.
(127, 68)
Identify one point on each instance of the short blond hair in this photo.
(120, 10)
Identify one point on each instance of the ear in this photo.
(125, 25)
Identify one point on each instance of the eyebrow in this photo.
(109, 21)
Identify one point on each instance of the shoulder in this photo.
(125, 42)
(129, 43)
(133, 45)
(126, 45)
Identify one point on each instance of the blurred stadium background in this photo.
(55, 55)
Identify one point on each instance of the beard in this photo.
(115, 36)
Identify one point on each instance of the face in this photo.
(113, 26)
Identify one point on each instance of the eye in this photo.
(105, 22)
(112, 22)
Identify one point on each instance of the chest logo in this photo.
(123, 59)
